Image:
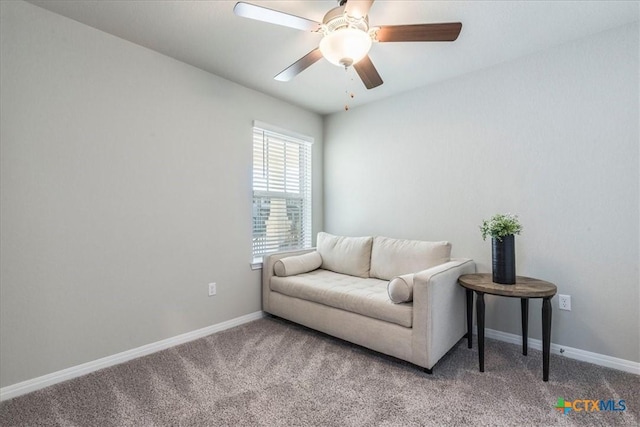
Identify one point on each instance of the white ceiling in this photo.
(207, 35)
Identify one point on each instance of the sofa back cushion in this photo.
(395, 257)
(346, 255)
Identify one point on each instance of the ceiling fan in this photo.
(347, 36)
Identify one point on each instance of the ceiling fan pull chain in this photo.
(348, 86)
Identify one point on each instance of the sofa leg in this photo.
(428, 371)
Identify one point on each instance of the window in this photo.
(281, 190)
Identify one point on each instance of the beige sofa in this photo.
(398, 297)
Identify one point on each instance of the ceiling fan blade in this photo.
(445, 32)
(368, 73)
(358, 8)
(299, 66)
(259, 13)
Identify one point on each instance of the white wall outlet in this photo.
(564, 302)
(212, 289)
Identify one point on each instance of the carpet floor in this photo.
(271, 372)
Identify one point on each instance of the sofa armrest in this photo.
(439, 305)
(267, 271)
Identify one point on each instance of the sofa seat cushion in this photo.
(359, 295)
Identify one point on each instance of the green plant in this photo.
(500, 225)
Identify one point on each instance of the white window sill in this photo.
(256, 265)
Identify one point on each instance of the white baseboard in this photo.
(570, 352)
(34, 384)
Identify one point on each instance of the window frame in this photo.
(304, 185)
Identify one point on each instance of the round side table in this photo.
(525, 288)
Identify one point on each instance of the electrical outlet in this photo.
(564, 302)
(212, 289)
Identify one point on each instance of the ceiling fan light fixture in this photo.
(345, 46)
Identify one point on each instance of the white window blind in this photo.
(281, 191)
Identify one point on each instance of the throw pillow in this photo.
(298, 264)
(400, 289)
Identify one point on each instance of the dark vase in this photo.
(504, 260)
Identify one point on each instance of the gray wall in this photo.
(126, 188)
(552, 137)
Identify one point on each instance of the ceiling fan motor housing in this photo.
(336, 19)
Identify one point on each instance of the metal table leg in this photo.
(546, 337)
(469, 318)
(524, 310)
(480, 325)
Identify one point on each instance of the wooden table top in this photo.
(525, 287)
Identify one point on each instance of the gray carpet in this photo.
(274, 373)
